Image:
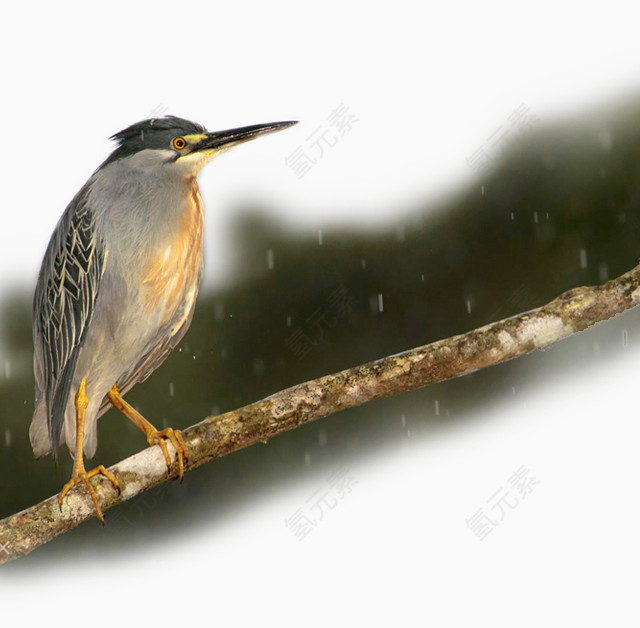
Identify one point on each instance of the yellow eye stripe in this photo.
(181, 142)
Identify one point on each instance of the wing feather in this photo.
(63, 306)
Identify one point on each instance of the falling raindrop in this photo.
(606, 140)
(583, 258)
(482, 190)
(7, 438)
(625, 338)
(258, 366)
(535, 217)
(403, 420)
(319, 237)
(270, 259)
(603, 271)
(171, 390)
(422, 277)
(363, 263)
(307, 458)
(437, 407)
(380, 303)
(512, 216)
(288, 321)
(468, 306)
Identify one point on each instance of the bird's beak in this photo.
(221, 140)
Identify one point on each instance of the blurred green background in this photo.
(559, 208)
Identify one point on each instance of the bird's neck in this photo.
(145, 212)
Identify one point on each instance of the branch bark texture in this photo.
(217, 436)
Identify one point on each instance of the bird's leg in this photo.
(154, 437)
(80, 475)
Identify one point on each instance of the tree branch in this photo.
(217, 436)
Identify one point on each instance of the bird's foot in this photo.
(81, 476)
(156, 437)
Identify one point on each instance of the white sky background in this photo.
(428, 85)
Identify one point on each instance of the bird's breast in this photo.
(172, 273)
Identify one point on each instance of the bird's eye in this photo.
(179, 143)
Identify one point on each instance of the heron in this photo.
(117, 287)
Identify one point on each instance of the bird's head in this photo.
(180, 145)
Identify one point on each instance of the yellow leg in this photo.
(154, 437)
(80, 475)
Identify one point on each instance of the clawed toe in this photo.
(175, 436)
(83, 477)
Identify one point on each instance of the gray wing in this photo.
(63, 305)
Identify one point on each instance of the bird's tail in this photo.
(39, 431)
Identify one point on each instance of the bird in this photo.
(117, 287)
